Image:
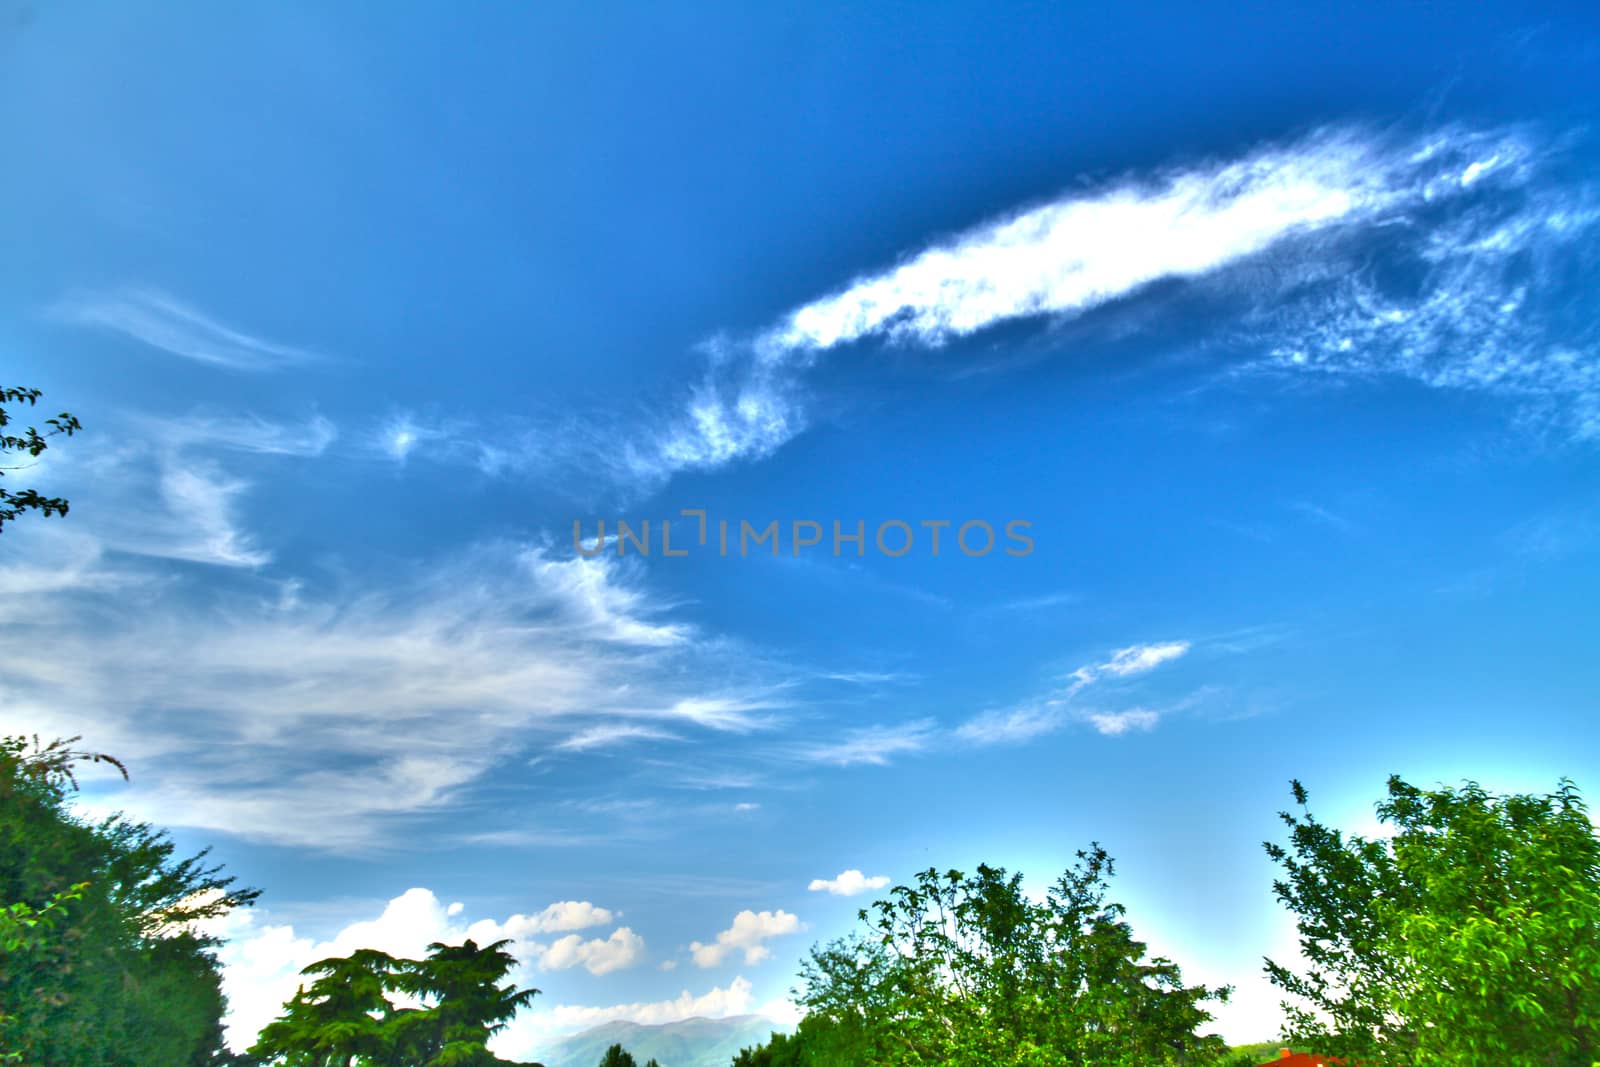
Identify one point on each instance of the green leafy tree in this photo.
(23, 929)
(617, 1056)
(962, 970)
(100, 961)
(469, 1002)
(1471, 936)
(816, 1042)
(338, 1020)
(347, 1017)
(32, 444)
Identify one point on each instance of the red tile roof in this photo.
(1300, 1059)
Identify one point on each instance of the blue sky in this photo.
(1277, 333)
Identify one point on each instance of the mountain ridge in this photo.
(694, 1042)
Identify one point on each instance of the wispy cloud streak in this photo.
(363, 707)
(1055, 710)
(164, 322)
(1319, 219)
(873, 745)
(1082, 251)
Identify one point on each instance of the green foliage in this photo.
(346, 1017)
(1471, 937)
(817, 1042)
(962, 970)
(617, 1056)
(99, 963)
(1256, 1054)
(31, 443)
(23, 929)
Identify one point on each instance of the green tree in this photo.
(346, 1016)
(1471, 936)
(31, 443)
(964, 970)
(101, 962)
(337, 1020)
(816, 1042)
(617, 1056)
(469, 1002)
(24, 929)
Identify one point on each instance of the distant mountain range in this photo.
(690, 1043)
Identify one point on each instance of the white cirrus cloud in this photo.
(162, 321)
(1137, 659)
(1012, 726)
(1305, 251)
(607, 735)
(168, 488)
(403, 433)
(1084, 250)
(748, 935)
(1317, 227)
(872, 745)
(362, 705)
(1117, 723)
(243, 433)
(201, 501)
(1051, 712)
(848, 883)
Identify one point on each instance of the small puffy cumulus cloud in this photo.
(599, 955)
(748, 935)
(622, 949)
(567, 915)
(848, 883)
